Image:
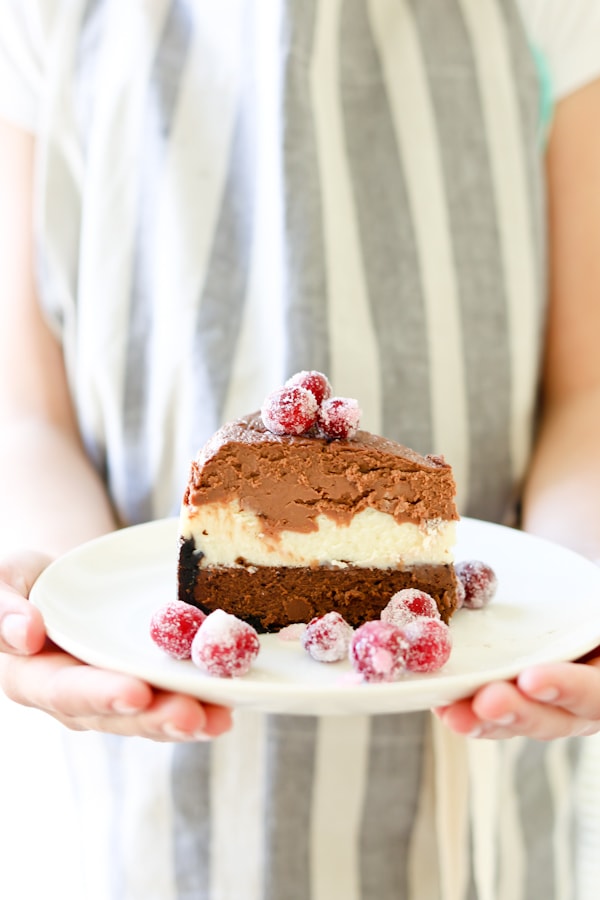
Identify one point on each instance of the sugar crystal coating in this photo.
(289, 410)
(225, 645)
(479, 582)
(174, 626)
(406, 605)
(292, 632)
(377, 651)
(460, 593)
(315, 382)
(428, 644)
(339, 417)
(327, 638)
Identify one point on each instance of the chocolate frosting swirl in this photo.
(290, 480)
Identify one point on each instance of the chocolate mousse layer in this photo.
(289, 481)
(271, 597)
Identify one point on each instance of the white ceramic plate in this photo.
(97, 601)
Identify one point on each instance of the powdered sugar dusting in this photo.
(479, 582)
(290, 410)
(377, 651)
(339, 417)
(327, 638)
(225, 645)
(407, 604)
(428, 644)
(173, 627)
(292, 632)
(315, 382)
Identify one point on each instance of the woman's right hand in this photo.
(34, 672)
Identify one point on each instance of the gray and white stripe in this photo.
(313, 184)
(164, 84)
(389, 250)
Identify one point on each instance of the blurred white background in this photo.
(38, 846)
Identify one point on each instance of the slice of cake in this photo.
(279, 528)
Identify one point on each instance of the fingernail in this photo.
(20, 585)
(177, 734)
(124, 710)
(14, 631)
(477, 732)
(548, 695)
(508, 719)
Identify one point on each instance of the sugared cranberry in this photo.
(460, 593)
(290, 410)
(315, 382)
(428, 644)
(174, 626)
(339, 417)
(225, 645)
(327, 637)
(377, 651)
(479, 581)
(407, 604)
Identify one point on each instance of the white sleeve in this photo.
(22, 43)
(567, 33)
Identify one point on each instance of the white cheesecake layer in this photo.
(225, 533)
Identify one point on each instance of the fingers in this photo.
(80, 696)
(21, 625)
(503, 709)
(574, 688)
(22, 568)
(58, 683)
(85, 698)
(169, 717)
(546, 702)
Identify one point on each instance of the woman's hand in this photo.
(35, 673)
(545, 702)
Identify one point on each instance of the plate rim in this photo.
(242, 692)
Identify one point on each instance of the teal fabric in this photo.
(546, 93)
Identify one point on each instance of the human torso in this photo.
(254, 189)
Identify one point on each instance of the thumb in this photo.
(21, 624)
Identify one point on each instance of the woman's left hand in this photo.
(545, 702)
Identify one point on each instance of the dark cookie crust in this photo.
(270, 597)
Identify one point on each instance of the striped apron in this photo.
(232, 192)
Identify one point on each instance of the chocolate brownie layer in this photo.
(271, 597)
